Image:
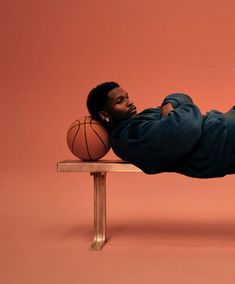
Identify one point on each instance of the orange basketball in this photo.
(87, 139)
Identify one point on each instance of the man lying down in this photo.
(174, 137)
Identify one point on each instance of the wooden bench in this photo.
(98, 170)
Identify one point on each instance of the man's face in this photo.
(119, 105)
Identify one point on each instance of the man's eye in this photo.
(119, 100)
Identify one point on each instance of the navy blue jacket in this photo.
(185, 141)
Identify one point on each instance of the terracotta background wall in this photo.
(53, 52)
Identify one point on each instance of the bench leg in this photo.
(99, 239)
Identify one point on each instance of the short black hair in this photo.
(97, 98)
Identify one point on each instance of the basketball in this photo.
(87, 139)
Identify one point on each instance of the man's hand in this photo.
(166, 109)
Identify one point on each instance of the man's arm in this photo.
(177, 99)
(173, 101)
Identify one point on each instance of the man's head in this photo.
(110, 104)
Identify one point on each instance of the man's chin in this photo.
(133, 113)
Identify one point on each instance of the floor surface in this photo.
(46, 228)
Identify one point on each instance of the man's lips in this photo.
(132, 110)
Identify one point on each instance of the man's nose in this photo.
(129, 102)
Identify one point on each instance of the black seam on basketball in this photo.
(90, 122)
(81, 123)
(75, 135)
(72, 127)
(98, 135)
(87, 148)
(78, 124)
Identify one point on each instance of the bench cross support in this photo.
(98, 169)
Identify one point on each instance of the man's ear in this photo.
(103, 115)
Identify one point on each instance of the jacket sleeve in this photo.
(173, 135)
(177, 99)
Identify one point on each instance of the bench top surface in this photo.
(96, 166)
